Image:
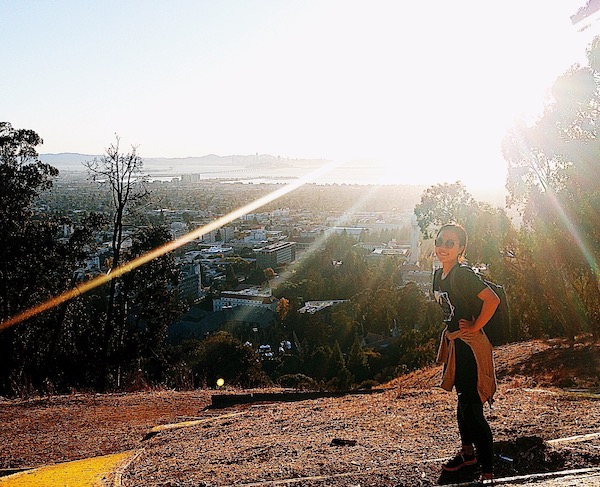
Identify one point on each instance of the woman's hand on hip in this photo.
(467, 325)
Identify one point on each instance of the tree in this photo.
(150, 295)
(357, 362)
(336, 361)
(256, 276)
(410, 307)
(230, 278)
(122, 173)
(336, 371)
(221, 356)
(22, 178)
(379, 310)
(283, 308)
(554, 182)
(491, 233)
(444, 203)
(36, 264)
(317, 362)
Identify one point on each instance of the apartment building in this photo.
(275, 254)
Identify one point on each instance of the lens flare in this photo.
(164, 249)
(525, 150)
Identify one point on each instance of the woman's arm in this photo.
(490, 303)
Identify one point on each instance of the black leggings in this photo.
(474, 429)
(472, 425)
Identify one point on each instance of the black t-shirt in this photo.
(457, 294)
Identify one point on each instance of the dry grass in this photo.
(400, 434)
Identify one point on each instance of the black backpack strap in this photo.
(437, 275)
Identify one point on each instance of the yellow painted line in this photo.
(90, 472)
(187, 424)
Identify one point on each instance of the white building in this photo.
(256, 235)
(246, 297)
(311, 307)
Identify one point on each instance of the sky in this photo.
(421, 92)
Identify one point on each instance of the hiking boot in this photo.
(459, 461)
(486, 478)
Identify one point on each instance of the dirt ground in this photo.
(396, 436)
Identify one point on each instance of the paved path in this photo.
(575, 480)
(586, 477)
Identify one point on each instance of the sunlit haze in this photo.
(419, 92)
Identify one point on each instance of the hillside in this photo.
(396, 436)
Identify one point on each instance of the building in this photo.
(304, 242)
(178, 229)
(256, 235)
(215, 250)
(246, 297)
(312, 307)
(220, 235)
(401, 252)
(275, 255)
(190, 284)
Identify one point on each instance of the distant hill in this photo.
(248, 167)
(69, 161)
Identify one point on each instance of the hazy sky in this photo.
(422, 90)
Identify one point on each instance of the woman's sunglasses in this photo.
(439, 242)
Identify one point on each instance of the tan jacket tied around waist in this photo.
(482, 350)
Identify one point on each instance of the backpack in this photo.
(497, 328)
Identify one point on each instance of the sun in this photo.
(445, 122)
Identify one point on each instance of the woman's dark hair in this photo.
(463, 238)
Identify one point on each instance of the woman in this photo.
(465, 351)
